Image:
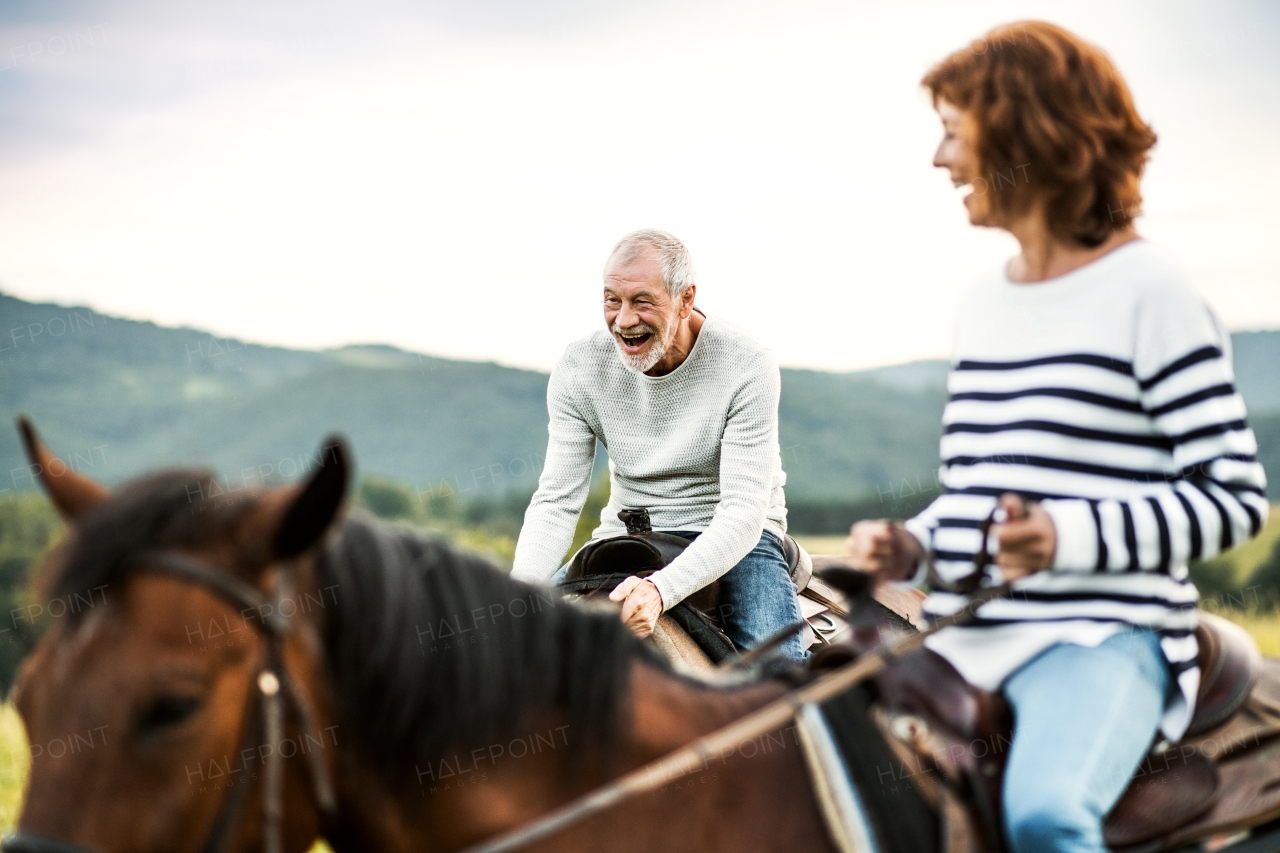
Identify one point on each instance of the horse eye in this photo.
(167, 711)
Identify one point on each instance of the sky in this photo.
(449, 177)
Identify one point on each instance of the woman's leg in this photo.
(1083, 720)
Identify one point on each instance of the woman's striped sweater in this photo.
(1107, 394)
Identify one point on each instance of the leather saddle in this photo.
(959, 735)
(602, 564)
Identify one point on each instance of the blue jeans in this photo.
(1083, 720)
(757, 597)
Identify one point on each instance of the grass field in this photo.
(13, 765)
(822, 544)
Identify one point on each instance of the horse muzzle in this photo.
(29, 842)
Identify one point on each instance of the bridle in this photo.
(277, 694)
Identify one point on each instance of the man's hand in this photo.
(641, 605)
(883, 548)
(1027, 540)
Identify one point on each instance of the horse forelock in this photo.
(172, 509)
(434, 650)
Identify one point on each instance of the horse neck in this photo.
(469, 795)
(669, 711)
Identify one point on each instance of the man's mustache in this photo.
(634, 331)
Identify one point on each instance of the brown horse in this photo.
(445, 701)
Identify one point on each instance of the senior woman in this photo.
(1092, 399)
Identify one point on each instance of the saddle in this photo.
(1223, 776)
(601, 565)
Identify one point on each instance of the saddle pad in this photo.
(846, 820)
(856, 781)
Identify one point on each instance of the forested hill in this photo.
(117, 397)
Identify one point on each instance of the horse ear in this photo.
(314, 508)
(72, 493)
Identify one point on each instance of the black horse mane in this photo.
(172, 509)
(434, 649)
(430, 649)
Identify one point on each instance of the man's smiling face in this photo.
(639, 312)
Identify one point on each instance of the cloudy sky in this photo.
(448, 176)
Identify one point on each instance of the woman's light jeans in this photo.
(1083, 720)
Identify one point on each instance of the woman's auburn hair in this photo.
(1051, 109)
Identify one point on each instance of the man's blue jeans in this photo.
(757, 597)
(1083, 720)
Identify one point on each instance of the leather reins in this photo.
(264, 722)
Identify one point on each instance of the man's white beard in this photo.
(644, 362)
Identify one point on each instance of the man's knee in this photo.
(1050, 825)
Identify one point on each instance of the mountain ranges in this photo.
(117, 397)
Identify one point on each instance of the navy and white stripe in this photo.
(1108, 395)
(1167, 466)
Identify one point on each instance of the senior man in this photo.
(687, 407)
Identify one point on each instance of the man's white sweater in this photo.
(697, 448)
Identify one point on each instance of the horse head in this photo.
(176, 704)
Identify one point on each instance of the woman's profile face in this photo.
(958, 155)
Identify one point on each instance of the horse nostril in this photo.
(27, 842)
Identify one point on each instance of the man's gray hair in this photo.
(672, 256)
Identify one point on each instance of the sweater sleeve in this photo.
(552, 516)
(1216, 496)
(922, 527)
(748, 456)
